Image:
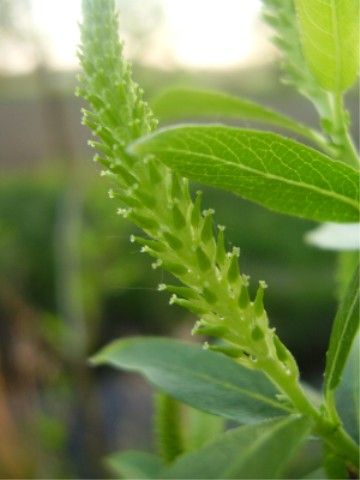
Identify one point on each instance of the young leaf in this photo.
(184, 103)
(346, 324)
(266, 168)
(330, 38)
(252, 451)
(205, 380)
(134, 464)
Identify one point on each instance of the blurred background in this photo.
(70, 281)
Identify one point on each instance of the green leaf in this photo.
(348, 392)
(201, 428)
(134, 464)
(335, 466)
(309, 457)
(251, 451)
(346, 325)
(266, 168)
(205, 380)
(319, 473)
(185, 103)
(330, 38)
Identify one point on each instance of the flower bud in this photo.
(233, 270)
(152, 244)
(259, 299)
(243, 300)
(146, 199)
(155, 176)
(281, 351)
(257, 334)
(128, 177)
(176, 186)
(229, 350)
(178, 217)
(188, 304)
(209, 296)
(196, 211)
(175, 268)
(172, 241)
(145, 222)
(185, 292)
(203, 328)
(207, 229)
(220, 247)
(202, 259)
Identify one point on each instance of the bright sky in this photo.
(192, 33)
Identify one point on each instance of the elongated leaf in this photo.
(330, 38)
(346, 325)
(134, 464)
(252, 451)
(348, 392)
(185, 103)
(206, 380)
(266, 168)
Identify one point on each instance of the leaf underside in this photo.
(134, 464)
(186, 103)
(251, 451)
(205, 380)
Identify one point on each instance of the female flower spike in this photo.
(179, 235)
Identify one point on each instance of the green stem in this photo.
(341, 136)
(320, 140)
(330, 431)
(167, 427)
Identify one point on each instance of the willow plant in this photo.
(245, 373)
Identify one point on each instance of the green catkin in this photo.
(181, 236)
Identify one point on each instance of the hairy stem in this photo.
(340, 131)
(167, 427)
